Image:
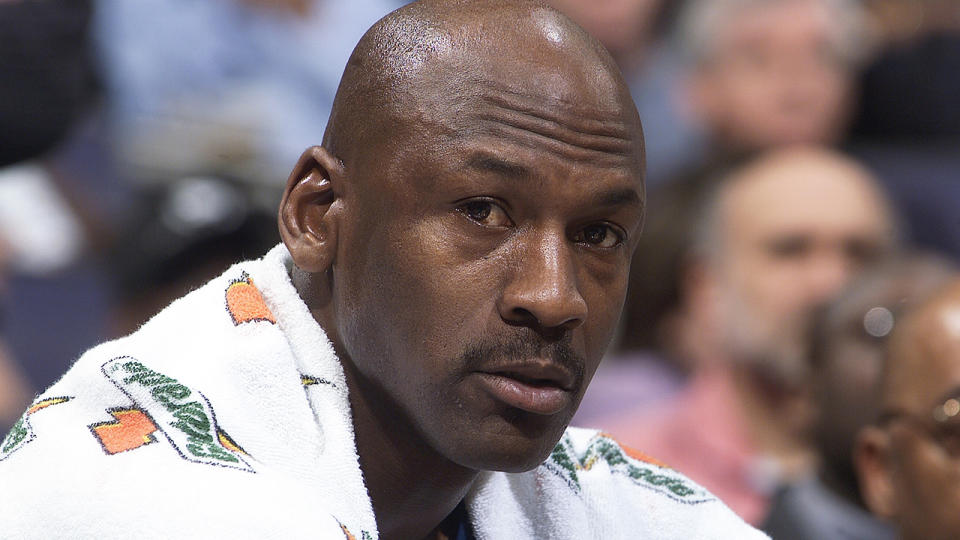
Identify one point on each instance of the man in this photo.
(907, 462)
(781, 234)
(847, 348)
(772, 72)
(454, 262)
(756, 74)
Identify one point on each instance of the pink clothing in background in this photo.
(700, 432)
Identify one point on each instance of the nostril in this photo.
(524, 316)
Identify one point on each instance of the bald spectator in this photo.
(908, 462)
(847, 349)
(780, 235)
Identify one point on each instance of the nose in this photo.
(542, 290)
(827, 275)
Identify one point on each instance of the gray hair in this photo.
(701, 21)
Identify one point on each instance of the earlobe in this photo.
(871, 461)
(307, 225)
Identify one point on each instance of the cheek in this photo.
(429, 300)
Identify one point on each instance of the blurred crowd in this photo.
(803, 179)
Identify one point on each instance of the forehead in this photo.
(805, 194)
(778, 20)
(543, 110)
(928, 364)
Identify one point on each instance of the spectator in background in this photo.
(847, 350)
(763, 73)
(48, 85)
(908, 461)
(233, 88)
(780, 234)
(187, 231)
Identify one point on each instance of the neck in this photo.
(777, 420)
(411, 486)
(842, 480)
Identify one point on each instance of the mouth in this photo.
(538, 388)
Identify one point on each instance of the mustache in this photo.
(498, 352)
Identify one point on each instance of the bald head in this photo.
(907, 464)
(427, 64)
(924, 361)
(783, 234)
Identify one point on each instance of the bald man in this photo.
(454, 260)
(781, 233)
(908, 462)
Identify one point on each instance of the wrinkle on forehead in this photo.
(561, 126)
(515, 70)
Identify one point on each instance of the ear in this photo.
(871, 459)
(307, 226)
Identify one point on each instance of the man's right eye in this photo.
(486, 213)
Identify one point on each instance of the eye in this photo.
(599, 235)
(789, 247)
(486, 213)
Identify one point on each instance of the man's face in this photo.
(794, 229)
(775, 77)
(923, 457)
(482, 266)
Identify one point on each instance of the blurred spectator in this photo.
(185, 233)
(908, 462)
(233, 88)
(47, 75)
(48, 86)
(627, 28)
(779, 235)
(847, 350)
(763, 73)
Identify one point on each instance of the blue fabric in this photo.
(158, 54)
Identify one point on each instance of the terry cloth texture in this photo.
(226, 415)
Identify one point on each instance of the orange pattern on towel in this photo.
(636, 454)
(131, 428)
(245, 303)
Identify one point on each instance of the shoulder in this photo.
(591, 486)
(616, 480)
(194, 413)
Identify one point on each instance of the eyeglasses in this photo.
(942, 425)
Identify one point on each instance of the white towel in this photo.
(226, 415)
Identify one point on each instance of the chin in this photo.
(513, 448)
(510, 460)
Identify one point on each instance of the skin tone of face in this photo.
(906, 473)
(794, 227)
(468, 253)
(847, 374)
(774, 77)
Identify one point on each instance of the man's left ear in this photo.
(872, 463)
(308, 227)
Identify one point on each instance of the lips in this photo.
(539, 388)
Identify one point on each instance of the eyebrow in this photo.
(498, 166)
(503, 167)
(619, 197)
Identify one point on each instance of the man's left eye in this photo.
(599, 235)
